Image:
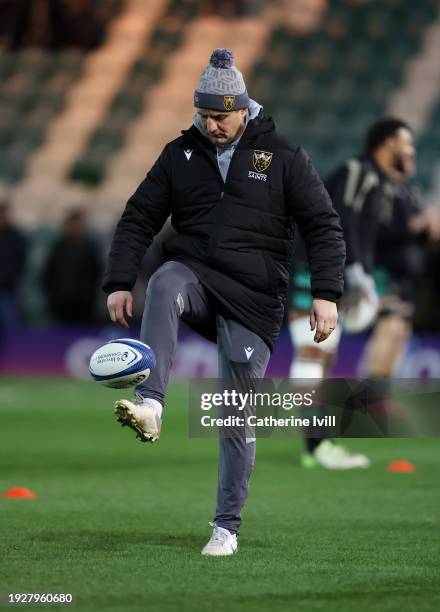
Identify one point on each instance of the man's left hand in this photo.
(323, 319)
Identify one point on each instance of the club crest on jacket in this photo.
(228, 102)
(261, 160)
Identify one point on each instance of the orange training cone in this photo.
(402, 466)
(19, 493)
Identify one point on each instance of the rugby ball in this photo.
(122, 363)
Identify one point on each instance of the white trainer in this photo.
(335, 457)
(221, 544)
(142, 416)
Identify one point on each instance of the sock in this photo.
(157, 407)
(306, 368)
(312, 443)
(155, 403)
(231, 531)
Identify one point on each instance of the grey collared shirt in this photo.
(224, 156)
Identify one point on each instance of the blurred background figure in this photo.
(387, 231)
(359, 188)
(72, 272)
(407, 231)
(12, 262)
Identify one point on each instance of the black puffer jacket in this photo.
(236, 236)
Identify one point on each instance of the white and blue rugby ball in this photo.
(122, 363)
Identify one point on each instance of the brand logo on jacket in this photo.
(188, 153)
(228, 102)
(258, 176)
(261, 160)
(248, 350)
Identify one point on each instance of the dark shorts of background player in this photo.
(396, 274)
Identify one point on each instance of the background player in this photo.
(360, 189)
(406, 228)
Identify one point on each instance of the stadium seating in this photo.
(325, 87)
(101, 117)
(34, 84)
(429, 149)
(32, 90)
(128, 102)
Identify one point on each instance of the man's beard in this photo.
(223, 140)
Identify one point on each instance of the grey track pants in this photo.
(174, 292)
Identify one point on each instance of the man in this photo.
(233, 188)
(361, 190)
(72, 272)
(406, 228)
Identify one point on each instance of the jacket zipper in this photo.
(212, 240)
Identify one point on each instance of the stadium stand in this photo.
(326, 86)
(104, 71)
(49, 24)
(128, 102)
(429, 156)
(418, 102)
(44, 193)
(35, 82)
(33, 87)
(79, 127)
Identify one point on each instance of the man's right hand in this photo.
(120, 305)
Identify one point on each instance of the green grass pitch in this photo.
(121, 524)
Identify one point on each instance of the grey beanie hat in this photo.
(221, 85)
